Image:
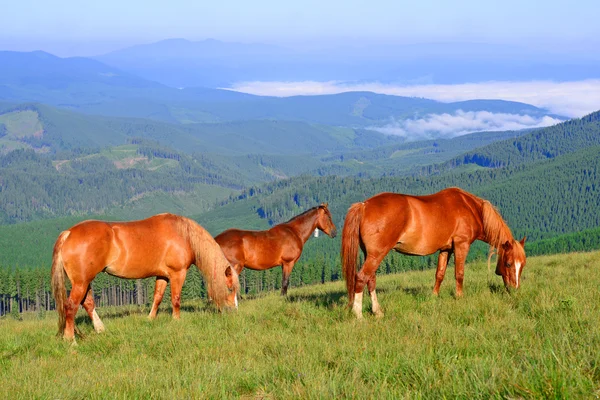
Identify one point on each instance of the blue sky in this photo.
(69, 27)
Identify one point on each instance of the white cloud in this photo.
(571, 99)
(461, 123)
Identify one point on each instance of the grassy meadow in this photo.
(542, 341)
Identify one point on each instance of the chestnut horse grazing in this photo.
(448, 221)
(164, 246)
(280, 245)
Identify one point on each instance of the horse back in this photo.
(421, 225)
(259, 249)
(134, 249)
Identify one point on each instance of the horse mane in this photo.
(495, 229)
(209, 258)
(302, 214)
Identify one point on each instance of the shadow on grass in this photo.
(113, 312)
(419, 292)
(322, 300)
(496, 288)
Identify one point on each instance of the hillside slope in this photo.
(540, 144)
(46, 128)
(538, 342)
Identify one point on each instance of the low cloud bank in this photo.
(461, 123)
(570, 99)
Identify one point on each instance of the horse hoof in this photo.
(378, 314)
(72, 342)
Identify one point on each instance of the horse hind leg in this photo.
(375, 307)
(78, 292)
(159, 291)
(90, 308)
(364, 276)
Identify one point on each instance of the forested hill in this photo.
(50, 129)
(539, 199)
(567, 137)
(34, 186)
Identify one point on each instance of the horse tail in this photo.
(58, 280)
(211, 262)
(350, 243)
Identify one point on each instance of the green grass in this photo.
(7, 145)
(539, 342)
(126, 156)
(21, 124)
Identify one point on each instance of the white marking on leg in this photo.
(98, 325)
(375, 305)
(357, 306)
(517, 270)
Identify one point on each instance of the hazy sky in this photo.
(75, 27)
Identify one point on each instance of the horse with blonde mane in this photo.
(280, 245)
(448, 221)
(164, 246)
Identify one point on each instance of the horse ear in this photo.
(507, 245)
(523, 241)
(229, 277)
(324, 205)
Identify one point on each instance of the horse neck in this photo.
(495, 229)
(304, 224)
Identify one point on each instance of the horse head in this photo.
(324, 221)
(511, 261)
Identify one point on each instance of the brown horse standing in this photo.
(448, 221)
(164, 246)
(280, 245)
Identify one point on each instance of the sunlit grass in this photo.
(541, 341)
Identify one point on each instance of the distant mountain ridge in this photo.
(91, 87)
(214, 63)
(43, 69)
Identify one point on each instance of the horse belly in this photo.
(134, 271)
(262, 253)
(135, 264)
(418, 244)
(414, 249)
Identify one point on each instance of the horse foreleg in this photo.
(238, 267)
(460, 255)
(443, 259)
(90, 308)
(287, 270)
(78, 292)
(366, 273)
(159, 291)
(374, 303)
(177, 280)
